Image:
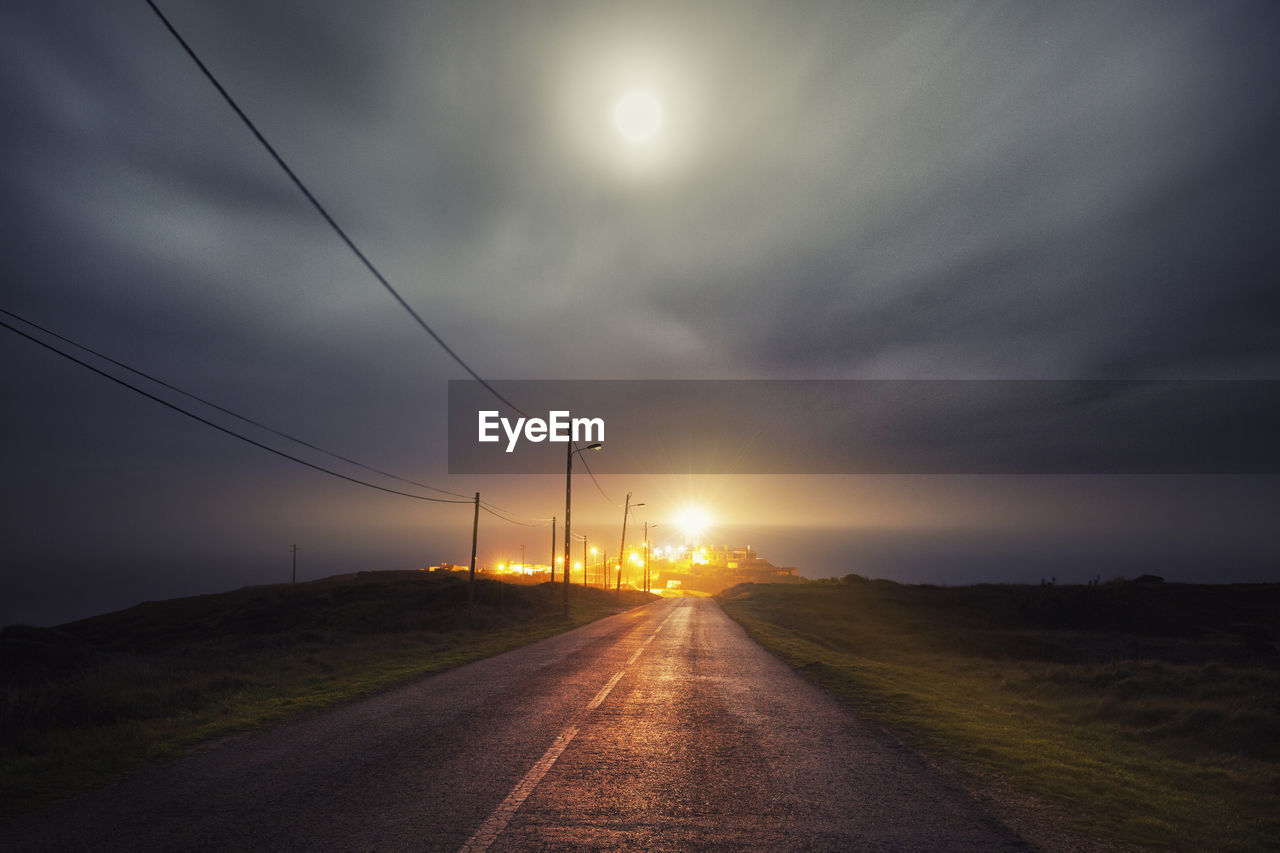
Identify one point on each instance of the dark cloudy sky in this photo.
(889, 190)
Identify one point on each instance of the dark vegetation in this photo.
(1144, 619)
(85, 701)
(1140, 713)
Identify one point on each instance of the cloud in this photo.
(940, 189)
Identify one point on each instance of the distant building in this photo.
(713, 568)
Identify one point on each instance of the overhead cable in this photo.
(225, 410)
(487, 509)
(324, 213)
(492, 509)
(599, 489)
(219, 427)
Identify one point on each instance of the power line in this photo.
(508, 515)
(493, 509)
(484, 507)
(583, 457)
(509, 512)
(225, 410)
(219, 427)
(342, 234)
(364, 259)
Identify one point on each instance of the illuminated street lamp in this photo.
(583, 564)
(622, 549)
(647, 525)
(571, 450)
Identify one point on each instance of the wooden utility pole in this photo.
(553, 549)
(646, 556)
(471, 580)
(294, 578)
(568, 486)
(622, 549)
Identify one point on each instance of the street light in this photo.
(583, 564)
(622, 549)
(647, 525)
(570, 451)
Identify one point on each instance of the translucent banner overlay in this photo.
(870, 426)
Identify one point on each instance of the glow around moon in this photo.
(635, 112)
(637, 116)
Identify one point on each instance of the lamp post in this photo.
(570, 450)
(583, 540)
(647, 525)
(622, 549)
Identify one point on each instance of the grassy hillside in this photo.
(1111, 716)
(87, 701)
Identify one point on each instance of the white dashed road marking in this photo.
(501, 816)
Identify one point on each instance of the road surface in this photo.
(662, 728)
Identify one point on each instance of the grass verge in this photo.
(82, 704)
(1117, 716)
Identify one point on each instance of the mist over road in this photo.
(662, 728)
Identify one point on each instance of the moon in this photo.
(637, 116)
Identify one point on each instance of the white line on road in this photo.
(501, 816)
(497, 821)
(604, 691)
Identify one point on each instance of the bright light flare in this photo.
(693, 522)
(637, 116)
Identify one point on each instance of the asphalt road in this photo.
(662, 728)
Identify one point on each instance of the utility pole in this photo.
(646, 555)
(568, 490)
(584, 562)
(570, 449)
(295, 565)
(522, 558)
(553, 549)
(471, 580)
(622, 549)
